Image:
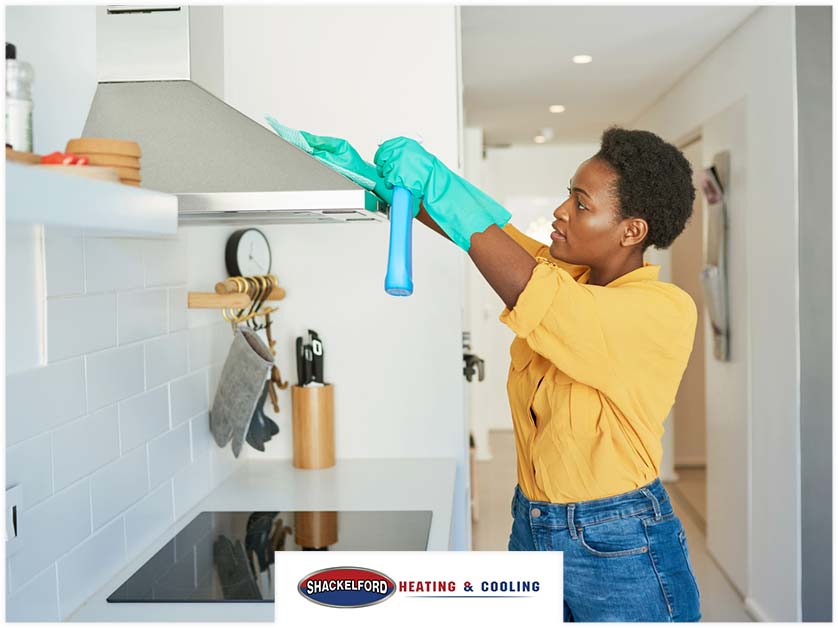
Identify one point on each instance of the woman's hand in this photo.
(458, 207)
(339, 155)
(402, 161)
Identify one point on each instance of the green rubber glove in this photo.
(341, 156)
(339, 152)
(458, 207)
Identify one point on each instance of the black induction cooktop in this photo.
(229, 556)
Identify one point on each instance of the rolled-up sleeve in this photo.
(602, 336)
(560, 320)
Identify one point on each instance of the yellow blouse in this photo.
(593, 375)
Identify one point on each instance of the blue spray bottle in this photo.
(399, 279)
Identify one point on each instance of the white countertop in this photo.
(357, 484)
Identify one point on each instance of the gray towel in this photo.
(241, 384)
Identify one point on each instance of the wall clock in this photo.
(248, 253)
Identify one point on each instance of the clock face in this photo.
(252, 253)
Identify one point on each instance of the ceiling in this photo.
(517, 62)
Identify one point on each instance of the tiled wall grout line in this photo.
(169, 406)
(172, 493)
(192, 456)
(119, 430)
(57, 588)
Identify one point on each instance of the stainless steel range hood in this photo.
(222, 165)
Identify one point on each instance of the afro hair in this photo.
(654, 182)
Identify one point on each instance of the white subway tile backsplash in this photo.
(142, 314)
(49, 530)
(113, 264)
(189, 396)
(143, 417)
(148, 518)
(166, 358)
(168, 453)
(24, 296)
(40, 399)
(111, 439)
(192, 483)
(65, 263)
(84, 445)
(202, 441)
(177, 308)
(29, 464)
(80, 325)
(214, 376)
(114, 375)
(165, 262)
(89, 566)
(209, 345)
(37, 600)
(118, 485)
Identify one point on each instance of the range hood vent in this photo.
(223, 166)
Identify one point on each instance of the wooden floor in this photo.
(496, 482)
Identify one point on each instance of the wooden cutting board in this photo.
(21, 157)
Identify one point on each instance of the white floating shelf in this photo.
(37, 196)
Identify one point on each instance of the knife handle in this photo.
(317, 366)
(300, 369)
(309, 365)
(399, 279)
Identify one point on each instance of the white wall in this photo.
(396, 363)
(755, 65)
(726, 398)
(60, 43)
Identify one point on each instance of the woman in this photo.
(600, 348)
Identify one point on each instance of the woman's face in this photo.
(589, 228)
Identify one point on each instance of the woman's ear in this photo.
(636, 230)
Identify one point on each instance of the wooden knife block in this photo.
(315, 529)
(313, 425)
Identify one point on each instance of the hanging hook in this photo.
(267, 286)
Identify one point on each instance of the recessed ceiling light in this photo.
(538, 139)
(582, 59)
(556, 108)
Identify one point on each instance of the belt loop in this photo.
(570, 525)
(655, 504)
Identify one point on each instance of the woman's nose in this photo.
(560, 212)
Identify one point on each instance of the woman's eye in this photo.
(579, 204)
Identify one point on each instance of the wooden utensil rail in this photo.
(229, 295)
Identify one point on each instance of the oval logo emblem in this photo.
(346, 587)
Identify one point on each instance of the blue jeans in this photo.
(625, 557)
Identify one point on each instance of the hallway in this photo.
(496, 481)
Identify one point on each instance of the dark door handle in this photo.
(472, 361)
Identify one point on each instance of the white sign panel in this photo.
(398, 588)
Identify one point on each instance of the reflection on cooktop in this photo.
(229, 556)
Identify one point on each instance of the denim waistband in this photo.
(651, 498)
